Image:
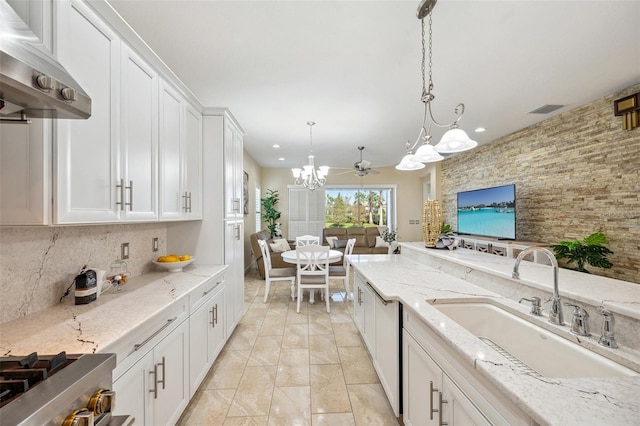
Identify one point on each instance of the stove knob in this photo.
(44, 82)
(68, 94)
(101, 402)
(82, 417)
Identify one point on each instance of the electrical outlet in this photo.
(124, 251)
(155, 244)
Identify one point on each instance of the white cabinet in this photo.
(156, 388)
(429, 396)
(180, 157)
(138, 181)
(86, 163)
(234, 257)
(25, 177)
(364, 311)
(233, 163)
(192, 178)
(438, 386)
(206, 329)
(378, 321)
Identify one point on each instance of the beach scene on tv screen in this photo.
(489, 212)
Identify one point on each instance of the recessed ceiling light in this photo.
(275, 145)
(281, 159)
(480, 129)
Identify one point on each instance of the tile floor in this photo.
(284, 368)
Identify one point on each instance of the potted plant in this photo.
(590, 250)
(390, 237)
(270, 214)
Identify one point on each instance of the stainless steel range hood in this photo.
(32, 82)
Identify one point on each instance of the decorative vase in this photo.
(431, 223)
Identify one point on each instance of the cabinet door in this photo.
(171, 196)
(387, 340)
(86, 165)
(369, 319)
(24, 173)
(171, 361)
(139, 141)
(421, 384)
(459, 410)
(238, 267)
(232, 176)
(133, 396)
(192, 190)
(206, 337)
(233, 256)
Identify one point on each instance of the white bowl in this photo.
(174, 266)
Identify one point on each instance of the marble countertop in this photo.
(549, 401)
(91, 328)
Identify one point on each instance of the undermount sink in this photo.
(530, 346)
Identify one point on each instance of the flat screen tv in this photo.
(488, 212)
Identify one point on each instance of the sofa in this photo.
(365, 239)
(276, 258)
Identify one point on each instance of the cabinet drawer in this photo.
(135, 344)
(199, 295)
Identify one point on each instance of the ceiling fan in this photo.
(363, 167)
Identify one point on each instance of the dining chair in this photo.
(275, 274)
(313, 270)
(306, 240)
(342, 271)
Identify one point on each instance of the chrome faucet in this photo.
(555, 311)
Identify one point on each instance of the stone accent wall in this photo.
(575, 174)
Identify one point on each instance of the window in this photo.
(306, 212)
(258, 209)
(360, 206)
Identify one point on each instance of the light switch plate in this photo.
(124, 250)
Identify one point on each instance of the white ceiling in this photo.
(354, 66)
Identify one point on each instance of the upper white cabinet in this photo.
(86, 161)
(24, 174)
(137, 158)
(138, 180)
(233, 143)
(180, 157)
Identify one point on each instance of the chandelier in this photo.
(455, 139)
(308, 175)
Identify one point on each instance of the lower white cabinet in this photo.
(439, 388)
(155, 390)
(378, 321)
(429, 396)
(206, 329)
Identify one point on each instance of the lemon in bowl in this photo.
(173, 262)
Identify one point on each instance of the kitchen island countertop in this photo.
(549, 401)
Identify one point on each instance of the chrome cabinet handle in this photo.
(130, 188)
(121, 202)
(213, 318)
(189, 199)
(215, 315)
(238, 232)
(163, 371)
(440, 402)
(139, 345)
(184, 202)
(154, 391)
(431, 391)
(359, 296)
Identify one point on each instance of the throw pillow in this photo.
(332, 241)
(381, 243)
(340, 244)
(279, 245)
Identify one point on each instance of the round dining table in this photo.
(290, 256)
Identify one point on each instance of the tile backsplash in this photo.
(37, 264)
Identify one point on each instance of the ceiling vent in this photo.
(545, 109)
